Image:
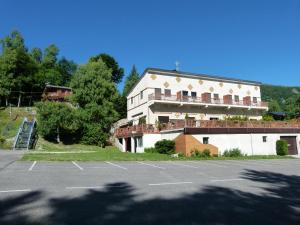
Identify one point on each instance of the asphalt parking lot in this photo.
(177, 192)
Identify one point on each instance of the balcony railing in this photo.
(191, 99)
(179, 124)
(136, 129)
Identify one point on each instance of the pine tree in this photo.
(130, 81)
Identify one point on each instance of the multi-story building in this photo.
(193, 110)
(168, 95)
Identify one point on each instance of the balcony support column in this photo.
(124, 144)
(133, 145)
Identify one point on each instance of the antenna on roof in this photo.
(177, 65)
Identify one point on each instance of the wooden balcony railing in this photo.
(179, 124)
(190, 99)
(136, 129)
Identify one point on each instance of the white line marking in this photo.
(31, 167)
(147, 164)
(75, 164)
(8, 191)
(209, 163)
(174, 183)
(95, 187)
(227, 180)
(121, 167)
(184, 165)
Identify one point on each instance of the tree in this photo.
(111, 63)
(50, 56)
(274, 106)
(95, 94)
(67, 69)
(17, 64)
(130, 81)
(56, 119)
(37, 55)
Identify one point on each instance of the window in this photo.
(216, 96)
(163, 119)
(194, 94)
(254, 99)
(131, 100)
(141, 94)
(205, 140)
(213, 118)
(185, 93)
(236, 98)
(167, 92)
(264, 138)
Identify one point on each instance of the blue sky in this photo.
(247, 39)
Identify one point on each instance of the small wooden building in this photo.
(56, 93)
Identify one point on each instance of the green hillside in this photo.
(10, 122)
(279, 93)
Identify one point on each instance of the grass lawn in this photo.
(46, 151)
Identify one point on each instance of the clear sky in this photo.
(247, 39)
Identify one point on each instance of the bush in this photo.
(2, 140)
(281, 147)
(180, 155)
(235, 152)
(165, 146)
(204, 154)
(150, 150)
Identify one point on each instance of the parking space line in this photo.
(184, 165)
(227, 180)
(75, 164)
(173, 183)
(152, 165)
(113, 164)
(209, 163)
(32, 166)
(94, 187)
(11, 191)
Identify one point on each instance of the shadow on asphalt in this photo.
(116, 205)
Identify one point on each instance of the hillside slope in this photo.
(9, 123)
(278, 93)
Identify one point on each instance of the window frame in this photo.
(265, 139)
(205, 140)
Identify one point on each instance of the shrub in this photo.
(150, 150)
(165, 146)
(204, 154)
(2, 140)
(180, 155)
(235, 152)
(281, 147)
(267, 117)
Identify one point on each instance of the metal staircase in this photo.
(26, 136)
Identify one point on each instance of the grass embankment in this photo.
(46, 151)
(9, 124)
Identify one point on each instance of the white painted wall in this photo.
(141, 106)
(250, 144)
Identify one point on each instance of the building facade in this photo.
(166, 95)
(192, 110)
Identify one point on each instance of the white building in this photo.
(191, 108)
(164, 95)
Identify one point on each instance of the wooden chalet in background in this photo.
(56, 93)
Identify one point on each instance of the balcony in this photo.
(136, 130)
(221, 125)
(206, 100)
